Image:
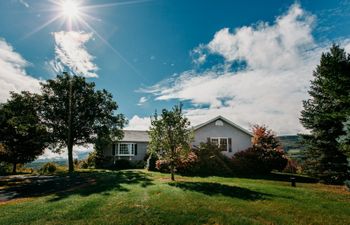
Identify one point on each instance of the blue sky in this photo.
(250, 61)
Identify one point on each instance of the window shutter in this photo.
(229, 145)
(135, 149)
(208, 139)
(113, 149)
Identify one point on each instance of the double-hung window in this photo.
(223, 143)
(125, 149)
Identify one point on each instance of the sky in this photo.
(249, 61)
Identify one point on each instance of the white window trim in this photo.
(219, 138)
(131, 149)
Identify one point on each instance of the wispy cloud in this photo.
(279, 59)
(71, 54)
(13, 76)
(142, 100)
(24, 3)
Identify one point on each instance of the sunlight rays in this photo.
(74, 15)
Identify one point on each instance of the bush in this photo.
(256, 160)
(49, 168)
(5, 168)
(210, 161)
(184, 165)
(122, 164)
(151, 160)
(291, 167)
(347, 184)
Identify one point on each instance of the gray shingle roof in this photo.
(135, 136)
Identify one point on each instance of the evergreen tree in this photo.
(324, 114)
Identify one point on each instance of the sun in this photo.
(70, 8)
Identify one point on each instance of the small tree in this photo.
(76, 113)
(265, 155)
(22, 136)
(170, 136)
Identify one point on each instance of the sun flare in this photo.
(70, 8)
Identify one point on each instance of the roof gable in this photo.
(225, 120)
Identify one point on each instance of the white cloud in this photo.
(138, 123)
(142, 100)
(198, 54)
(279, 58)
(13, 76)
(71, 53)
(79, 152)
(23, 2)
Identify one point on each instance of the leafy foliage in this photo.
(170, 136)
(184, 164)
(344, 140)
(76, 113)
(264, 156)
(48, 168)
(324, 114)
(22, 135)
(211, 161)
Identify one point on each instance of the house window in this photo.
(215, 141)
(125, 149)
(222, 142)
(219, 123)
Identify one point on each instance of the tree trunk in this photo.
(172, 171)
(70, 158)
(14, 168)
(70, 138)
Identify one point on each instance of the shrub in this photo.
(291, 167)
(83, 164)
(184, 164)
(210, 161)
(151, 160)
(264, 156)
(256, 160)
(4, 168)
(49, 168)
(139, 164)
(347, 184)
(122, 164)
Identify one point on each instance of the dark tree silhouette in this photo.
(22, 136)
(76, 114)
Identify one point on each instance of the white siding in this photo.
(240, 140)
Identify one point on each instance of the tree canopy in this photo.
(170, 136)
(22, 135)
(324, 115)
(76, 114)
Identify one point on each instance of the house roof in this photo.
(225, 120)
(135, 136)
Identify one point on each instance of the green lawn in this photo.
(141, 197)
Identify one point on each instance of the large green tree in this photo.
(76, 113)
(170, 136)
(22, 135)
(324, 114)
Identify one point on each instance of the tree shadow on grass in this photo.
(64, 185)
(216, 189)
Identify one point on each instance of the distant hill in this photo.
(37, 164)
(291, 145)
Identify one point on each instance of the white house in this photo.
(219, 130)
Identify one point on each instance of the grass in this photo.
(141, 197)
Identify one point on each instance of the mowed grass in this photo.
(141, 197)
